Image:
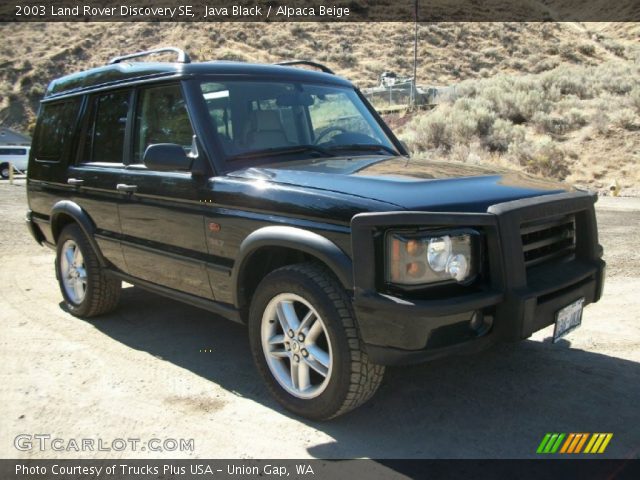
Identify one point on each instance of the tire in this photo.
(340, 375)
(85, 286)
(4, 170)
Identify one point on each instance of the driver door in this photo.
(162, 220)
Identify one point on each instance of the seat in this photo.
(265, 130)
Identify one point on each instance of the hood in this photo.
(408, 184)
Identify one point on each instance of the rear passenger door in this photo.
(162, 218)
(100, 167)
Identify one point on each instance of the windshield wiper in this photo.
(270, 152)
(364, 147)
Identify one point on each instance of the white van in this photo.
(15, 155)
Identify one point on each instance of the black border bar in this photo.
(320, 11)
(202, 469)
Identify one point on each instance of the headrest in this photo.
(266, 120)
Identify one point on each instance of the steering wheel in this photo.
(326, 132)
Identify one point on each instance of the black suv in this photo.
(277, 197)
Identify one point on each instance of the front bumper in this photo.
(516, 302)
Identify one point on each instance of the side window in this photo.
(55, 129)
(161, 117)
(105, 136)
(216, 96)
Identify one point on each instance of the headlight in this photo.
(431, 257)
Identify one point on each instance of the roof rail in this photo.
(307, 62)
(182, 55)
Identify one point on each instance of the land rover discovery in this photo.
(276, 196)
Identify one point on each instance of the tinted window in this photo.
(13, 151)
(161, 117)
(105, 137)
(55, 128)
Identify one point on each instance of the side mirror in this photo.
(166, 157)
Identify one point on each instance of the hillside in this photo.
(449, 53)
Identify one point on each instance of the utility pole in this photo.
(414, 89)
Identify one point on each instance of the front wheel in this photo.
(4, 170)
(305, 343)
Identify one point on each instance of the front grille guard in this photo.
(502, 228)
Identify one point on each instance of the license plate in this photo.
(568, 319)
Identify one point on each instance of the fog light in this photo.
(476, 321)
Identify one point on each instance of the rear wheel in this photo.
(305, 343)
(85, 286)
(4, 170)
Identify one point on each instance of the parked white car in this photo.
(15, 155)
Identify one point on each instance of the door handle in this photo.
(123, 187)
(75, 181)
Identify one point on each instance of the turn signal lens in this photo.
(415, 248)
(416, 269)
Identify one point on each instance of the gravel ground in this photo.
(142, 372)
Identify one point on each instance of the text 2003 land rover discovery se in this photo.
(277, 197)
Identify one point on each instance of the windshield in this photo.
(260, 122)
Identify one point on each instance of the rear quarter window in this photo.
(55, 129)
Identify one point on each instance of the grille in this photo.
(548, 240)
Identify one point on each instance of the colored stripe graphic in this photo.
(555, 447)
(567, 443)
(598, 443)
(591, 442)
(551, 443)
(605, 442)
(573, 443)
(543, 443)
(581, 443)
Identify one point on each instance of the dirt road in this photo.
(142, 372)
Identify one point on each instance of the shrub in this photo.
(541, 157)
(503, 134)
(432, 131)
(576, 118)
(553, 123)
(617, 86)
(479, 111)
(569, 81)
(568, 51)
(544, 65)
(558, 123)
(587, 49)
(627, 119)
(614, 47)
(492, 53)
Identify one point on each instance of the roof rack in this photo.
(307, 62)
(182, 55)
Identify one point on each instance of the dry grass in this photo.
(543, 123)
(32, 54)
